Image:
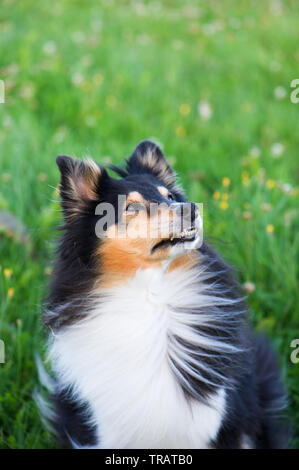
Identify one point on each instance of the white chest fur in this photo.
(118, 359)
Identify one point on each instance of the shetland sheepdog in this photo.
(149, 341)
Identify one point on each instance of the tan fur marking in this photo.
(185, 262)
(121, 258)
(135, 196)
(83, 183)
(163, 191)
(152, 161)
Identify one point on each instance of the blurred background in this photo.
(210, 81)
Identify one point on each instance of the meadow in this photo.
(210, 81)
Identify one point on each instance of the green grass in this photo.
(97, 77)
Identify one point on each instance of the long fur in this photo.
(166, 357)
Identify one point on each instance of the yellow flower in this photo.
(223, 205)
(10, 292)
(270, 228)
(225, 196)
(180, 131)
(270, 184)
(294, 192)
(7, 272)
(185, 109)
(216, 195)
(225, 182)
(245, 178)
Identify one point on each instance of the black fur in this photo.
(72, 421)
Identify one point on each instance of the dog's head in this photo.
(139, 220)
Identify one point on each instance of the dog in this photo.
(149, 340)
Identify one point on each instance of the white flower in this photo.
(276, 7)
(280, 92)
(286, 188)
(255, 152)
(204, 110)
(49, 47)
(277, 149)
(249, 287)
(77, 78)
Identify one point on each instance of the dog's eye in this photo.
(134, 207)
(170, 196)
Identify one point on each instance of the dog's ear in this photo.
(79, 185)
(148, 158)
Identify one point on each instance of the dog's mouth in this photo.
(187, 235)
